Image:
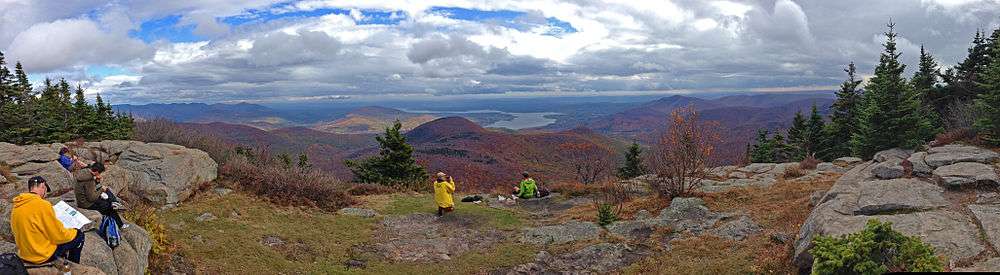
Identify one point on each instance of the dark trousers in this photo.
(70, 250)
(104, 207)
(442, 210)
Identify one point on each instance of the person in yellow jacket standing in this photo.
(444, 187)
(39, 236)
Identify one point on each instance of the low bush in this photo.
(254, 169)
(287, 186)
(877, 249)
(809, 163)
(955, 135)
(606, 214)
(572, 189)
(794, 172)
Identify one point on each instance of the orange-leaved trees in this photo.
(680, 158)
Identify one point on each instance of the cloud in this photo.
(281, 48)
(71, 42)
(376, 49)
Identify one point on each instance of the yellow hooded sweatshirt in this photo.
(442, 193)
(37, 232)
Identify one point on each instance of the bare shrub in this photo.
(809, 163)
(610, 200)
(954, 135)
(591, 163)
(961, 115)
(572, 189)
(166, 131)
(680, 159)
(794, 171)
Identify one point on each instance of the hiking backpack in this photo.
(11, 264)
(109, 231)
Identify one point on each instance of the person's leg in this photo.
(70, 250)
(105, 208)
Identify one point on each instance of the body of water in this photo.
(520, 120)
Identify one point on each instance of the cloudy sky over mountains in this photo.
(260, 50)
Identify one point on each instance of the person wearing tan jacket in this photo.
(39, 236)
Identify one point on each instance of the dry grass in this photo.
(793, 172)
(162, 248)
(967, 135)
(780, 209)
(574, 189)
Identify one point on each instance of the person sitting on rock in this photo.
(39, 236)
(444, 186)
(68, 162)
(90, 194)
(526, 189)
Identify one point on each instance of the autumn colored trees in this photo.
(680, 158)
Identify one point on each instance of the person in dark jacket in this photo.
(90, 194)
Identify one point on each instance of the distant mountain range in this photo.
(486, 157)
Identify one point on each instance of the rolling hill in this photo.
(372, 119)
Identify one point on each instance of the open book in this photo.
(69, 217)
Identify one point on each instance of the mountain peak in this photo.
(443, 127)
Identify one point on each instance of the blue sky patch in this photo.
(165, 28)
(101, 71)
(518, 20)
(265, 15)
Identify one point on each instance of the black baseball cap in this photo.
(36, 180)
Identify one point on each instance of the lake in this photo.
(520, 120)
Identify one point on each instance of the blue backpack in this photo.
(109, 231)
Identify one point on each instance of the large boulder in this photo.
(955, 153)
(884, 196)
(915, 206)
(964, 173)
(989, 217)
(161, 174)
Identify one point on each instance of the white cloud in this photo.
(70, 42)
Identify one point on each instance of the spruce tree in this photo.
(8, 97)
(763, 149)
(394, 165)
(633, 163)
(843, 116)
(962, 78)
(815, 137)
(988, 102)
(925, 85)
(890, 115)
(798, 134)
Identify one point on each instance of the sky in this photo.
(151, 51)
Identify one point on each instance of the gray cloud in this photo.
(688, 44)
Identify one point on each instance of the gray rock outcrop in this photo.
(161, 174)
(563, 233)
(965, 173)
(916, 205)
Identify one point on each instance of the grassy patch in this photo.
(232, 244)
(403, 204)
(317, 242)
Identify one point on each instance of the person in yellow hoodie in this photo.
(39, 236)
(444, 186)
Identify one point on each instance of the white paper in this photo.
(69, 217)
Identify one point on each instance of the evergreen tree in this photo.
(815, 137)
(285, 160)
(393, 166)
(633, 163)
(798, 134)
(763, 150)
(962, 78)
(843, 116)
(890, 115)
(926, 89)
(989, 101)
(304, 162)
(8, 99)
(783, 151)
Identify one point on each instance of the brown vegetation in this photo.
(162, 250)
(593, 163)
(254, 169)
(793, 172)
(809, 163)
(680, 159)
